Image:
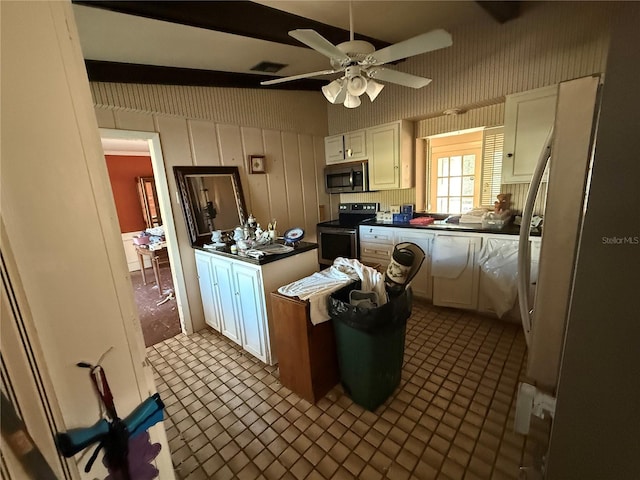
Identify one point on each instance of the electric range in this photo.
(339, 238)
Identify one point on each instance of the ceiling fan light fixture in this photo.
(357, 85)
(352, 101)
(373, 89)
(335, 91)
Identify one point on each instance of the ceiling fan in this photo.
(362, 64)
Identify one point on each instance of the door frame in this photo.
(166, 210)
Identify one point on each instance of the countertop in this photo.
(300, 247)
(455, 227)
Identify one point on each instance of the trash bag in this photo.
(499, 261)
(369, 345)
(391, 315)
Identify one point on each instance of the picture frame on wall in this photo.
(257, 164)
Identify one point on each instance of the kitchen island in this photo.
(235, 292)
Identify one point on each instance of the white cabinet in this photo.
(528, 117)
(421, 283)
(224, 297)
(235, 296)
(377, 243)
(485, 303)
(345, 148)
(207, 284)
(390, 150)
(250, 305)
(460, 288)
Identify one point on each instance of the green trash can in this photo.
(370, 345)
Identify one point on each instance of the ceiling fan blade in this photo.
(426, 42)
(401, 78)
(313, 39)
(298, 77)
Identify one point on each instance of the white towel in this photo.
(370, 278)
(449, 256)
(317, 287)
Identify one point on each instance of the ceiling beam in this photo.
(101, 71)
(501, 11)
(244, 18)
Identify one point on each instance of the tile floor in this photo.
(450, 418)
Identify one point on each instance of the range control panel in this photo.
(358, 208)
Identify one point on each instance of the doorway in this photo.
(158, 286)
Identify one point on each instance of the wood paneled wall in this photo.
(290, 192)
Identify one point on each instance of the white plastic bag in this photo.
(499, 261)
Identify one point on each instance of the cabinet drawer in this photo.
(376, 251)
(376, 235)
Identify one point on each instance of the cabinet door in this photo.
(462, 291)
(250, 303)
(355, 145)
(384, 157)
(334, 149)
(225, 293)
(528, 118)
(421, 283)
(205, 279)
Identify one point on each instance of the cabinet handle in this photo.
(509, 155)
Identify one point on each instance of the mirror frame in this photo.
(181, 174)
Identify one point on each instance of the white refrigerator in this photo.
(584, 331)
(568, 150)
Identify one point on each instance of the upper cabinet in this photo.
(348, 147)
(528, 117)
(390, 150)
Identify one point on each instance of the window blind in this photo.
(493, 144)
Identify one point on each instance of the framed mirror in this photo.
(211, 199)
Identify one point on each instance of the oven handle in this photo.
(344, 231)
(351, 179)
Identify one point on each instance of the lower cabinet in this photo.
(451, 274)
(224, 296)
(485, 303)
(377, 243)
(457, 284)
(421, 283)
(235, 296)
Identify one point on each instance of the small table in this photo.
(154, 256)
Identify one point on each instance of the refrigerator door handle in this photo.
(524, 253)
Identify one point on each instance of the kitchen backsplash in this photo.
(518, 193)
(386, 198)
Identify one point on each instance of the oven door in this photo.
(336, 242)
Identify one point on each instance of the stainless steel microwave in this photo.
(349, 177)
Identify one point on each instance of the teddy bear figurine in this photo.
(503, 203)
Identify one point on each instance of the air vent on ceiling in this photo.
(268, 67)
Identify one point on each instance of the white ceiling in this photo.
(111, 36)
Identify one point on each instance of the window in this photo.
(464, 170)
(492, 146)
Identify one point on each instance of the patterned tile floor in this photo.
(450, 418)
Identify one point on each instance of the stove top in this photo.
(352, 214)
